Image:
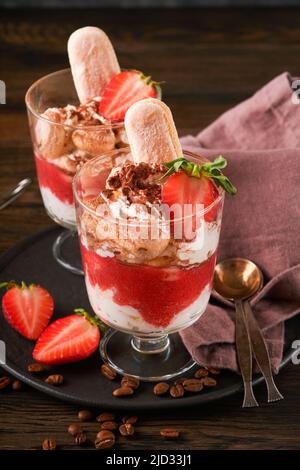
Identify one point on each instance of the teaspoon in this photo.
(238, 279)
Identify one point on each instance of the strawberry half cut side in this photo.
(27, 309)
(125, 89)
(68, 339)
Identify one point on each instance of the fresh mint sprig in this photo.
(210, 170)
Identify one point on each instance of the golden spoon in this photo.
(238, 279)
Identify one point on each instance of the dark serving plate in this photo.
(31, 260)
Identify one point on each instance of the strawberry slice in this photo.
(27, 309)
(182, 189)
(123, 90)
(68, 339)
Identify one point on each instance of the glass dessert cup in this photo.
(146, 288)
(59, 146)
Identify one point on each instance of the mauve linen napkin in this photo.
(260, 138)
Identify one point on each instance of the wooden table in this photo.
(210, 60)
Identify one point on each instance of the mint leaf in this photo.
(210, 170)
(218, 163)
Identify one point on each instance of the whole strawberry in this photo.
(27, 309)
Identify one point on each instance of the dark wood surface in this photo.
(210, 61)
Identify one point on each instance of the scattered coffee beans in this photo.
(85, 415)
(123, 392)
(161, 388)
(35, 368)
(105, 417)
(128, 381)
(209, 381)
(109, 425)
(169, 433)
(105, 440)
(74, 429)
(126, 429)
(200, 373)
(17, 385)
(129, 419)
(177, 391)
(4, 382)
(55, 379)
(108, 372)
(193, 385)
(49, 444)
(80, 439)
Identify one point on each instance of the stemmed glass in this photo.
(58, 149)
(141, 281)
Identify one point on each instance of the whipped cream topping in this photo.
(61, 211)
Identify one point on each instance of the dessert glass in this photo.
(144, 284)
(58, 148)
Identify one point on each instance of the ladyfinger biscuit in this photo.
(151, 132)
(93, 61)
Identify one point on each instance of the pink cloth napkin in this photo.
(260, 138)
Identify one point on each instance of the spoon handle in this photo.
(14, 193)
(244, 354)
(261, 353)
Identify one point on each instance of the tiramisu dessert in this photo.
(66, 135)
(149, 228)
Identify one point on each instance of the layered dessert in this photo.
(67, 134)
(149, 228)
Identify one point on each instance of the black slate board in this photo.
(31, 260)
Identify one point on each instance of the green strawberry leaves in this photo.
(210, 170)
(93, 320)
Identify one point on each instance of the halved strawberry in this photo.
(27, 309)
(123, 90)
(68, 339)
(182, 189)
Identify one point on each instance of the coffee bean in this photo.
(4, 382)
(55, 379)
(105, 417)
(49, 444)
(214, 370)
(35, 368)
(169, 433)
(105, 440)
(74, 429)
(108, 372)
(80, 438)
(161, 388)
(128, 381)
(193, 385)
(129, 419)
(17, 385)
(126, 429)
(109, 425)
(177, 391)
(209, 382)
(123, 392)
(200, 373)
(85, 415)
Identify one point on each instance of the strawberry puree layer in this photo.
(157, 293)
(52, 177)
